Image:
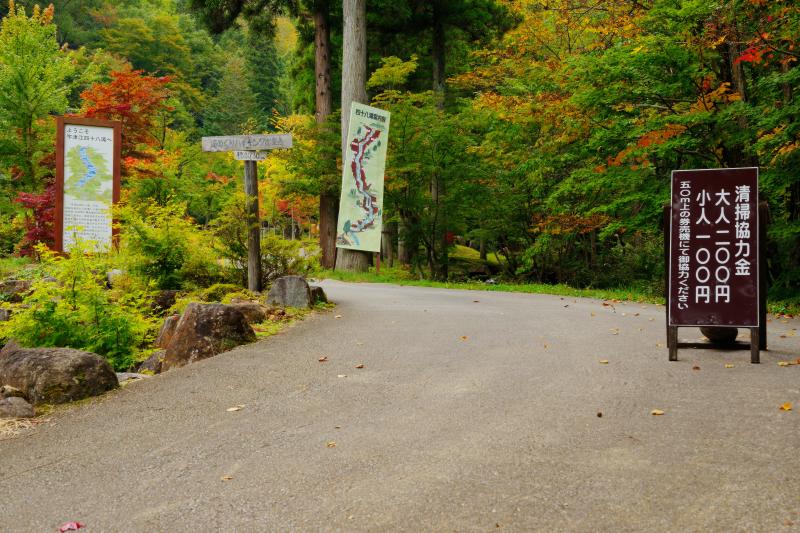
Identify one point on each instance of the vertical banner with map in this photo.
(87, 181)
(361, 205)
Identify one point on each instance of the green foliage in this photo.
(279, 257)
(33, 74)
(77, 311)
(162, 246)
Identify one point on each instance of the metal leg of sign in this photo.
(755, 356)
(672, 342)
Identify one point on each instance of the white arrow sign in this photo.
(249, 156)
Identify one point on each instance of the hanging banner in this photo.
(361, 204)
(713, 262)
(87, 181)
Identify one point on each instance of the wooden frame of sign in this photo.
(62, 123)
(739, 295)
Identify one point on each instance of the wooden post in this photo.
(378, 263)
(253, 227)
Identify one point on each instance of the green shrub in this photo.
(160, 244)
(218, 291)
(279, 257)
(78, 312)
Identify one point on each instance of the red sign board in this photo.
(713, 261)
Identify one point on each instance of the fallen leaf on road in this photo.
(659, 345)
(342, 375)
(464, 337)
(226, 478)
(787, 406)
(599, 414)
(615, 331)
(331, 444)
(785, 363)
(323, 359)
(360, 365)
(656, 412)
(650, 319)
(728, 365)
(624, 314)
(475, 301)
(338, 316)
(603, 361)
(235, 408)
(594, 314)
(70, 526)
(695, 368)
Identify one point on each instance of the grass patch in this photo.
(10, 266)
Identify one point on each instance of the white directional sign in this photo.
(233, 143)
(244, 155)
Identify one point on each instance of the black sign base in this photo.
(753, 345)
(758, 336)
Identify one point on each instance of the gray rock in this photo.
(5, 314)
(205, 330)
(14, 290)
(254, 313)
(15, 407)
(113, 275)
(290, 291)
(720, 334)
(55, 375)
(7, 391)
(153, 363)
(167, 331)
(318, 295)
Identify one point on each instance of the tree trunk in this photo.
(328, 197)
(354, 89)
(387, 243)
(403, 244)
(438, 51)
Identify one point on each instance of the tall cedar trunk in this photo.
(437, 184)
(403, 243)
(387, 243)
(328, 201)
(354, 89)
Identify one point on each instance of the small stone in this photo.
(318, 295)
(7, 391)
(720, 334)
(290, 291)
(15, 407)
(5, 314)
(14, 290)
(153, 363)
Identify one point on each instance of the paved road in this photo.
(475, 411)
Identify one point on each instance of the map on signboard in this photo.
(88, 185)
(361, 203)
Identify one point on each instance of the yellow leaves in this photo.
(331, 444)
(786, 407)
(657, 412)
(235, 408)
(226, 478)
(729, 365)
(603, 361)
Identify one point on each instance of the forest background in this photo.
(540, 133)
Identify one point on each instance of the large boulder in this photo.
(15, 407)
(55, 375)
(167, 331)
(205, 330)
(290, 291)
(14, 290)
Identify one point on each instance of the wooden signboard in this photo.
(713, 267)
(87, 181)
(232, 143)
(250, 149)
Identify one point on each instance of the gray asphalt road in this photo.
(474, 411)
